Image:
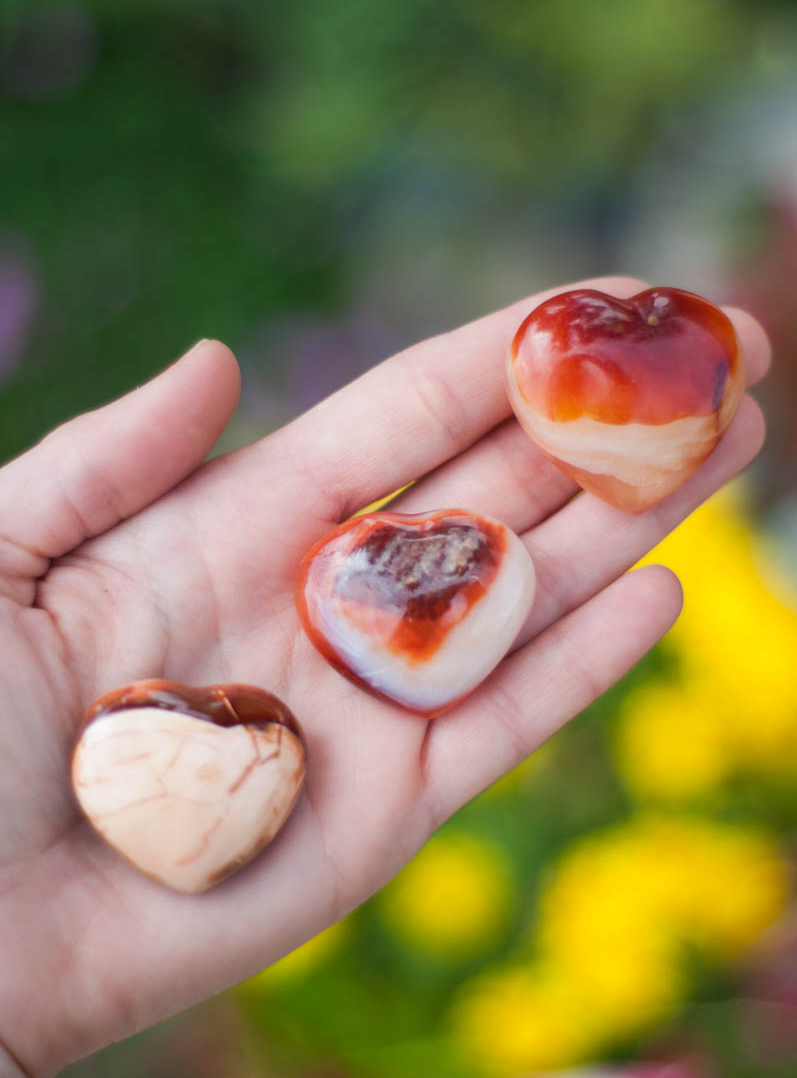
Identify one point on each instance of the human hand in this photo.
(123, 556)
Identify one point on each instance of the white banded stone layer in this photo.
(649, 461)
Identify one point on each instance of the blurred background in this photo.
(320, 184)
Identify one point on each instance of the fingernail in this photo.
(194, 347)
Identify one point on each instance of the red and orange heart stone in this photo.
(418, 609)
(628, 397)
(188, 784)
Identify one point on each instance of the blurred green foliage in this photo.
(176, 169)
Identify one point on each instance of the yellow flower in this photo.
(672, 741)
(608, 945)
(453, 899)
(303, 960)
(381, 503)
(742, 642)
(675, 879)
(517, 1020)
(602, 918)
(737, 886)
(736, 642)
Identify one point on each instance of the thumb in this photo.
(104, 466)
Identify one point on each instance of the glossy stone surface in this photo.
(418, 609)
(628, 397)
(188, 784)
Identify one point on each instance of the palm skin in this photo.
(122, 557)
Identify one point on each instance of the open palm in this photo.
(122, 557)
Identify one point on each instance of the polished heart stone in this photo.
(188, 784)
(418, 609)
(628, 397)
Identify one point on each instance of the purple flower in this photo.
(17, 304)
(293, 363)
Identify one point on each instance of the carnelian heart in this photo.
(418, 609)
(188, 784)
(628, 397)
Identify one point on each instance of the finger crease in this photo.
(443, 405)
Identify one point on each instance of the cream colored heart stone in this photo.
(188, 784)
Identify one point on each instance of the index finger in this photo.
(420, 408)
